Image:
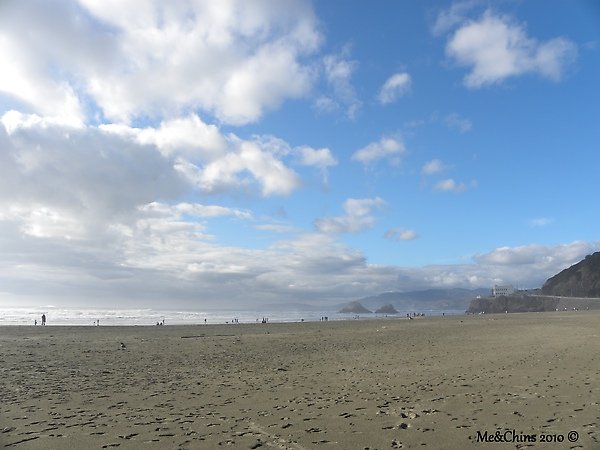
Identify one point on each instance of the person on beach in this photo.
(43, 319)
(35, 322)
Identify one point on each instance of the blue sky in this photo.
(201, 153)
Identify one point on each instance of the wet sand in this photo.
(380, 384)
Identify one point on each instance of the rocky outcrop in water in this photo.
(386, 309)
(354, 308)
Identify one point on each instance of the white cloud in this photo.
(79, 174)
(458, 123)
(395, 87)
(234, 60)
(338, 69)
(193, 209)
(144, 250)
(400, 234)
(188, 136)
(450, 185)
(321, 158)
(14, 121)
(450, 17)
(432, 167)
(25, 58)
(79, 183)
(217, 163)
(276, 228)
(325, 105)
(357, 216)
(550, 258)
(495, 48)
(540, 222)
(86, 220)
(384, 148)
(228, 172)
(44, 222)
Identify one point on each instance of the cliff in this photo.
(531, 303)
(514, 303)
(579, 280)
(578, 286)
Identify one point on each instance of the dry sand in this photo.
(393, 383)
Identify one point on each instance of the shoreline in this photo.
(434, 381)
(74, 317)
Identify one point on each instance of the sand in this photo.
(393, 383)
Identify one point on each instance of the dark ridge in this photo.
(579, 280)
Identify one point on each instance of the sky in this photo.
(196, 154)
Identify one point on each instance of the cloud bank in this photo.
(233, 59)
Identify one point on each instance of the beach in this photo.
(440, 382)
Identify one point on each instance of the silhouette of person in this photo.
(43, 319)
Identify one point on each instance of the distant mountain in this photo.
(579, 280)
(354, 308)
(430, 299)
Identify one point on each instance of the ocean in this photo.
(148, 317)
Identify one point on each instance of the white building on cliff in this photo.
(502, 291)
